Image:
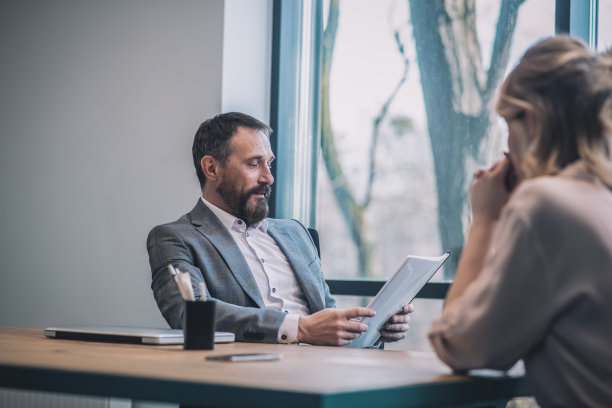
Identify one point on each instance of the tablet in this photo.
(132, 335)
(398, 291)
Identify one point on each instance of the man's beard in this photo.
(240, 204)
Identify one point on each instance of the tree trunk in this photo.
(457, 91)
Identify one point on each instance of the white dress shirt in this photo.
(274, 276)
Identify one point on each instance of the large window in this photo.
(604, 36)
(406, 97)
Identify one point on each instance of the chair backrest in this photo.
(315, 237)
(366, 287)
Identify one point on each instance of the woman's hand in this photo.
(488, 193)
(488, 196)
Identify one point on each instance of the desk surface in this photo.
(307, 376)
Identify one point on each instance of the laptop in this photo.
(132, 335)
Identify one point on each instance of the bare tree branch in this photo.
(506, 23)
(330, 152)
(381, 116)
(352, 212)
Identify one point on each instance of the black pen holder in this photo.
(199, 325)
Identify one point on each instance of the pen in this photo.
(202, 292)
(183, 281)
(174, 274)
(171, 270)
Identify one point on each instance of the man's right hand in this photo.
(333, 326)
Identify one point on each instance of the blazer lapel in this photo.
(210, 226)
(299, 262)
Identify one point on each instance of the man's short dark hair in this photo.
(214, 136)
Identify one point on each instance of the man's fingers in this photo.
(399, 318)
(349, 335)
(388, 336)
(395, 327)
(342, 338)
(403, 315)
(355, 327)
(409, 308)
(358, 312)
(345, 341)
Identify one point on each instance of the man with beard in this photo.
(264, 274)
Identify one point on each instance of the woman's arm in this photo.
(488, 195)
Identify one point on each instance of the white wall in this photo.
(99, 104)
(247, 55)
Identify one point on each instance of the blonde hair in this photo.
(569, 89)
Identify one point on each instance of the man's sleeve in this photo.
(165, 246)
(505, 311)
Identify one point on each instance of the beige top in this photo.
(544, 295)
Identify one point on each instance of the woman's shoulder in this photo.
(541, 190)
(551, 198)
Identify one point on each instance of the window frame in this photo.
(294, 107)
(578, 18)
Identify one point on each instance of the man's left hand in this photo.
(396, 327)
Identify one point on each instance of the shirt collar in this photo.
(229, 221)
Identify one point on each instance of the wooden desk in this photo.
(307, 376)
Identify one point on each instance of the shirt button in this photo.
(273, 290)
(247, 234)
(240, 222)
(286, 312)
(262, 260)
(284, 337)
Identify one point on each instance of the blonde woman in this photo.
(535, 278)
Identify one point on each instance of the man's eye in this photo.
(253, 164)
(270, 165)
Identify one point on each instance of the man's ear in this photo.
(210, 168)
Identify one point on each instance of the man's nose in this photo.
(265, 176)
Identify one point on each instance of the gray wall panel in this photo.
(99, 103)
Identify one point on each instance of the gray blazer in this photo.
(198, 243)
